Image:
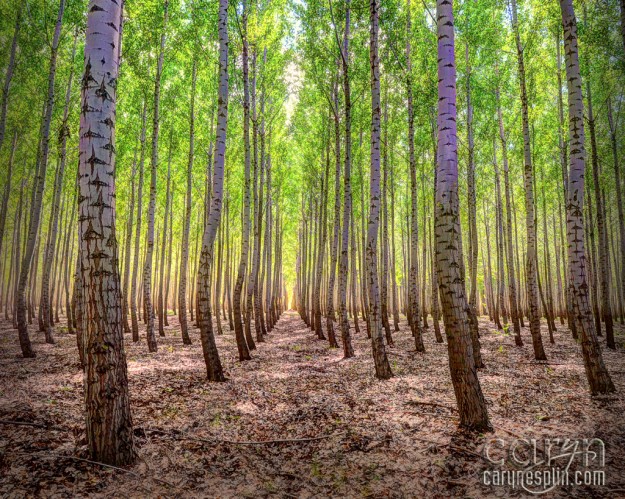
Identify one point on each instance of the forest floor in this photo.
(366, 438)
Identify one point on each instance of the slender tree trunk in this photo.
(620, 279)
(382, 366)
(252, 304)
(596, 372)
(413, 278)
(317, 315)
(17, 250)
(348, 350)
(562, 143)
(7, 191)
(354, 271)
(547, 263)
(434, 294)
(129, 227)
(184, 250)
(69, 262)
(243, 344)
(162, 307)
(217, 298)
(500, 243)
(559, 295)
(589, 233)
(37, 196)
(512, 281)
(530, 217)
(268, 236)
(471, 402)
(393, 253)
(471, 202)
(330, 316)
(603, 252)
(384, 245)
(209, 348)
(109, 422)
(46, 301)
(4, 100)
(170, 258)
(135, 265)
(149, 238)
(493, 309)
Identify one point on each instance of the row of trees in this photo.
(562, 259)
(219, 229)
(169, 249)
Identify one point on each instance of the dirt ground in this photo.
(343, 433)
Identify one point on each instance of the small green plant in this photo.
(506, 329)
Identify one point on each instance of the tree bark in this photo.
(45, 302)
(603, 252)
(413, 278)
(243, 344)
(471, 402)
(209, 348)
(471, 202)
(184, 249)
(530, 217)
(512, 281)
(109, 422)
(596, 372)
(37, 196)
(135, 266)
(620, 280)
(330, 316)
(4, 101)
(348, 350)
(149, 238)
(7, 190)
(162, 307)
(382, 366)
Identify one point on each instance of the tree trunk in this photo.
(413, 278)
(596, 372)
(149, 238)
(384, 245)
(562, 143)
(135, 265)
(169, 262)
(17, 250)
(162, 307)
(129, 227)
(37, 195)
(382, 366)
(620, 280)
(603, 266)
(4, 101)
(317, 315)
(48, 258)
(184, 249)
(109, 422)
(530, 217)
(243, 344)
(500, 244)
(348, 350)
(209, 348)
(512, 281)
(471, 402)
(471, 202)
(7, 190)
(330, 316)
(393, 253)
